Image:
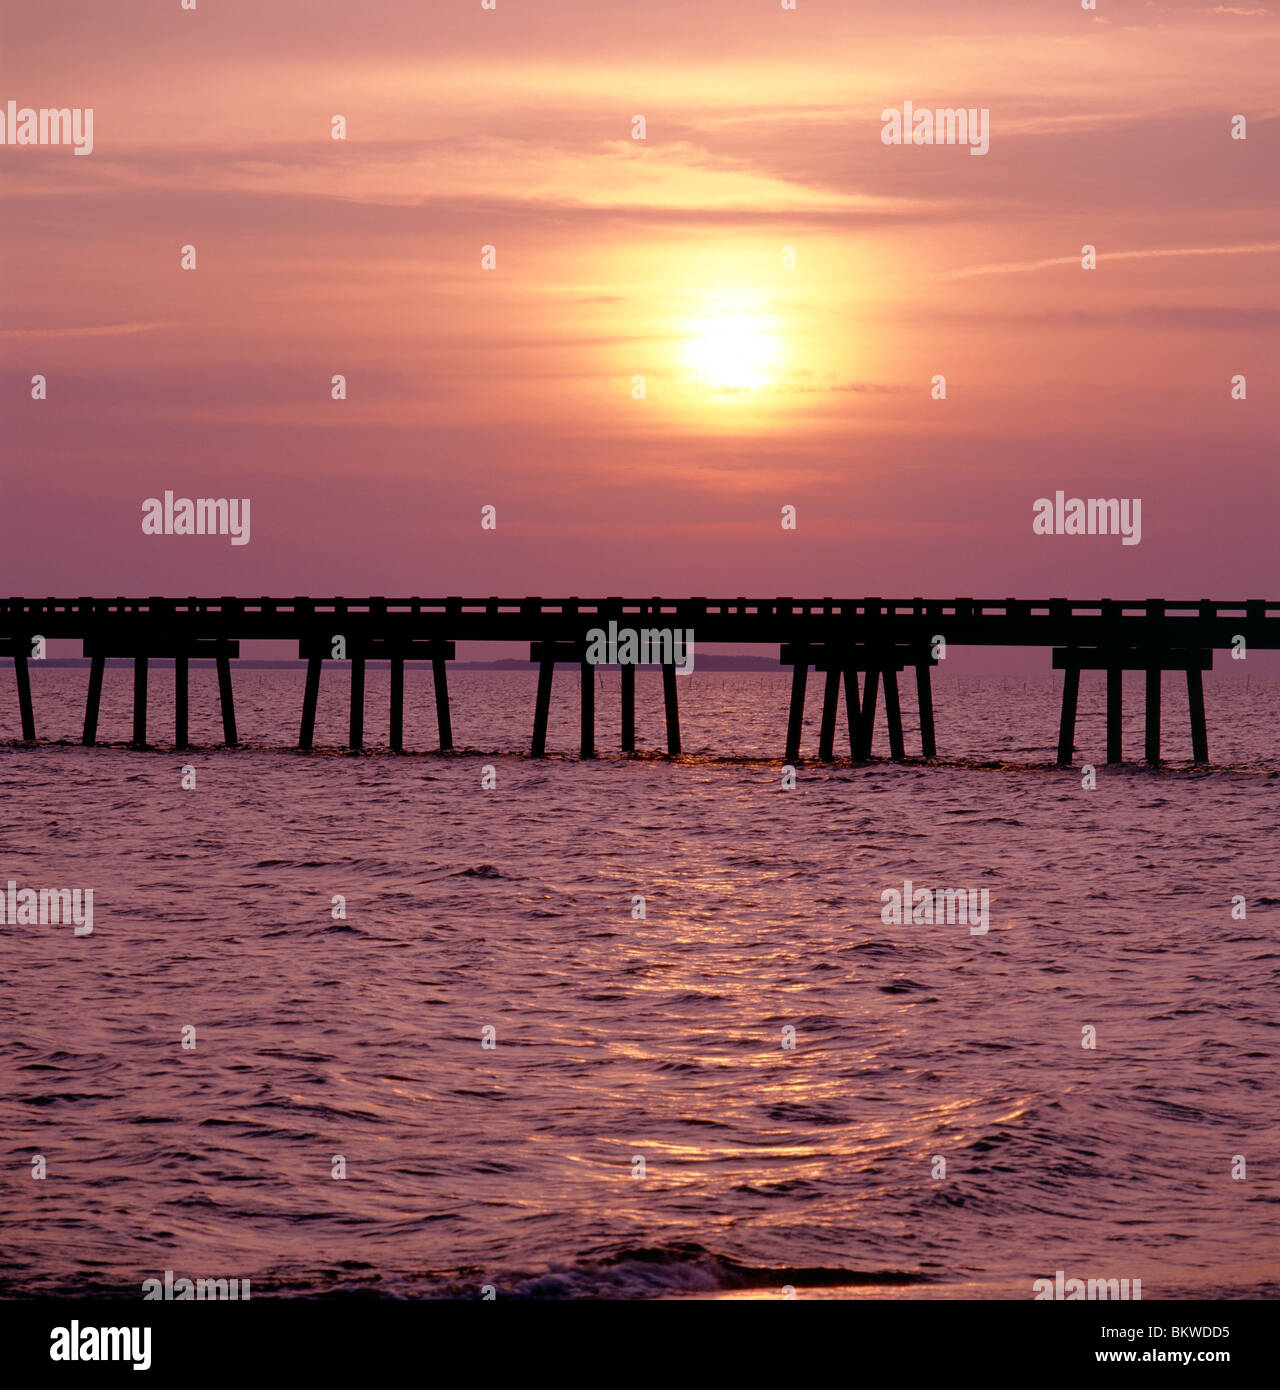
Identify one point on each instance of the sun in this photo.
(732, 351)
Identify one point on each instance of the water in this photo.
(619, 1038)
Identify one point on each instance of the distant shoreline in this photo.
(704, 663)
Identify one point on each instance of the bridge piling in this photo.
(26, 710)
(867, 716)
(92, 701)
(355, 728)
(1115, 714)
(671, 704)
(587, 743)
(1199, 731)
(180, 738)
(795, 718)
(852, 708)
(542, 709)
(830, 701)
(227, 701)
(1153, 715)
(1153, 662)
(139, 701)
(397, 704)
(628, 709)
(1067, 725)
(924, 699)
(893, 714)
(439, 673)
(310, 699)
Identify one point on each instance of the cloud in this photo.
(1023, 267)
(105, 330)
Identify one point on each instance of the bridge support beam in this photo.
(440, 676)
(355, 729)
(227, 700)
(924, 699)
(1115, 714)
(587, 742)
(142, 653)
(846, 661)
(1067, 725)
(310, 699)
(1195, 702)
(671, 703)
(852, 708)
(361, 650)
(1153, 715)
(542, 709)
(1153, 662)
(795, 717)
(397, 704)
(139, 701)
(26, 710)
(92, 701)
(830, 703)
(628, 708)
(893, 713)
(180, 738)
(866, 717)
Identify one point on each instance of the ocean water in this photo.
(619, 1038)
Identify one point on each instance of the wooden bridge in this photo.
(861, 643)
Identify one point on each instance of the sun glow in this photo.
(733, 351)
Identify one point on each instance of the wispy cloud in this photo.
(104, 330)
(1024, 267)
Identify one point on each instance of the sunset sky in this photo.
(765, 385)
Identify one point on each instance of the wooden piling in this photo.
(924, 698)
(26, 709)
(1067, 725)
(1153, 714)
(1199, 730)
(867, 716)
(852, 708)
(139, 701)
(542, 708)
(92, 701)
(893, 714)
(310, 699)
(671, 702)
(180, 738)
(440, 672)
(228, 702)
(795, 717)
(830, 703)
(587, 743)
(355, 739)
(628, 708)
(397, 704)
(1115, 714)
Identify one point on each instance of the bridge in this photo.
(862, 644)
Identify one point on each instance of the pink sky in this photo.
(618, 258)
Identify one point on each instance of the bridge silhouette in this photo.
(862, 644)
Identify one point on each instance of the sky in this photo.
(787, 285)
